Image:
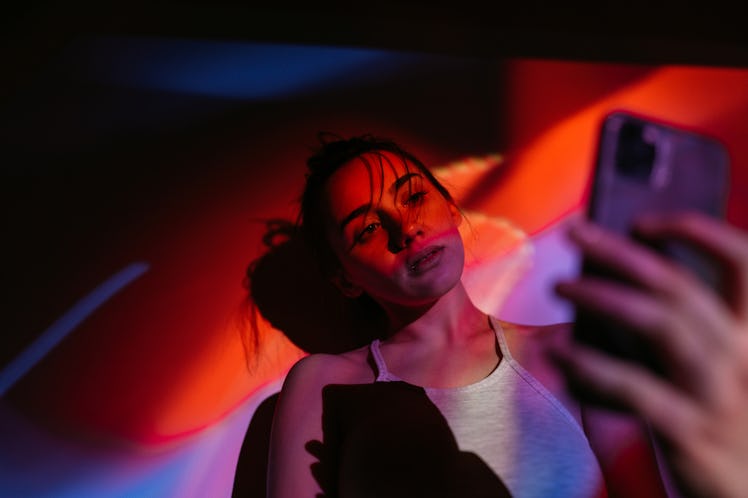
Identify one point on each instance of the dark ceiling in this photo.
(703, 33)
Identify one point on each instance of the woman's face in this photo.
(394, 234)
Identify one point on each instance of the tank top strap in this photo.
(499, 331)
(382, 373)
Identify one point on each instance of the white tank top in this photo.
(518, 428)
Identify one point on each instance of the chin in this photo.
(434, 288)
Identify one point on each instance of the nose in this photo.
(404, 232)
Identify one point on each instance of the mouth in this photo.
(424, 260)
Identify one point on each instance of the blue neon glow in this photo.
(237, 70)
(51, 337)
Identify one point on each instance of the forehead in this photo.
(363, 180)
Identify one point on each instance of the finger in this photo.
(638, 263)
(650, 270)
(670, 411)
(653, 320)
(726, 243)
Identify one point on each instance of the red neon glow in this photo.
(164, 359)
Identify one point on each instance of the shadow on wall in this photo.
(286, 287)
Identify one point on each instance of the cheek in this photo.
(369, 260)
(375, 271)
(438, 216)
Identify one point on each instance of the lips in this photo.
(424, 259)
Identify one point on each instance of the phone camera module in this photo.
(635, 152)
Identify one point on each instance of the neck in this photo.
(451, 318)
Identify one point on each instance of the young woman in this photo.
(449, 402)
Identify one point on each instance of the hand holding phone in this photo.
(648, 167)
(695, 395)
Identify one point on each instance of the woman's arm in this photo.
(699, 406)
(298, 422)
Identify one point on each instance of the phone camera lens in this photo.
(635, 154)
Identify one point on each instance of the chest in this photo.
(389, 439)
(506, 433)
(446, 366)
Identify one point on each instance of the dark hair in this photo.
(333, 154)
(312, 313)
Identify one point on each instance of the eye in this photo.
(414, 198)
(368, 230)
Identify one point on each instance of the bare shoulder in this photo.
(540, 332)
(297, 424)
(303, 386)
(315, 371)
(531, 341)
(530, 346)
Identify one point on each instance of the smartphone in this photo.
(645, 165)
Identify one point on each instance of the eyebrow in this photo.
(402, 181)
(363, 208)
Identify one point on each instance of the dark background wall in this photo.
(165, 134)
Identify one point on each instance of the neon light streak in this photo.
(56, 332)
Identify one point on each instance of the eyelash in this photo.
(415, 198)
(368, 230)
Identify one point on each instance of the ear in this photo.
(456, 213)
(349, 289)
